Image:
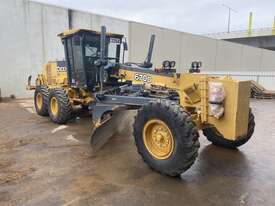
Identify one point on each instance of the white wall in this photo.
(13, 58)
(198, 48)
(228, 56)
(216, 55)
(29, 39)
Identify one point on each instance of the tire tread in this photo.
(45, 95)
(219, 140)
(181, 123)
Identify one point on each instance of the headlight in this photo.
(172, 63)
(216, 99)
(166, 64)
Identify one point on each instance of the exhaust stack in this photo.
(147, 63)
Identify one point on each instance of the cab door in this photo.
(91, 54)
(74, 61)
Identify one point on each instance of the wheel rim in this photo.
(158, 139)
(39, 101)
(54, 106)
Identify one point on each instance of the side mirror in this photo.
(125, 46)
(199, 64)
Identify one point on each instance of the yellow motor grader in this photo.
(172, 107)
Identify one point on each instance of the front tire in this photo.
(217, 139)
(41, 95)
(60, 108)
(166, 137)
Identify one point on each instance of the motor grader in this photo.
(172, 107)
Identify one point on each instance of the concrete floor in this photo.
(43, 165)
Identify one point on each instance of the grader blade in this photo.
(105, 127)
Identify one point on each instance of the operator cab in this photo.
(82, 50)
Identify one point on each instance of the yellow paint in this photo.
(158, 139)
(249, 32)
(54, 106)
(204, 99)
(54, 76)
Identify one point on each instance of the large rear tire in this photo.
(166, 137)
(217, 139)
(41, 95)
(60, 108)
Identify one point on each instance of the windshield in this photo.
(92, 49)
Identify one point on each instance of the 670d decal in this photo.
(143, 77)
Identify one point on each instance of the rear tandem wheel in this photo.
(41, 95)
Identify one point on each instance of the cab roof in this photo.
(71, 32)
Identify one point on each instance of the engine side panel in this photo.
(54, 74)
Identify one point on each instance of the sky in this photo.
(194, 16)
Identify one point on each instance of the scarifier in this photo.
(172, 107)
